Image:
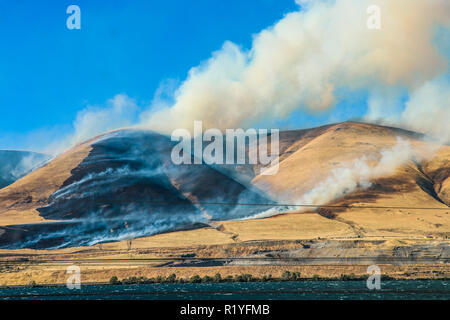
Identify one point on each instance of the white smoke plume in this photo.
(359, 174)
(428, 110)
(305, 58)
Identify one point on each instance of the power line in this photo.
(187, 202)
(320, 206)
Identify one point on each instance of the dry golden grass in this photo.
(204, 236)
(400, 223)
(288, 227)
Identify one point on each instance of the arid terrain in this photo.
(399, 221)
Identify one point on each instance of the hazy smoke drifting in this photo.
(428, 110)
(16, 164)
(28, 163)
(356, 175)
(303, 60)
(359, 174)
(120, 111)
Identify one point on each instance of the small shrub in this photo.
(217, 277)
(148, 280)
(130, 280)
(195, 279)
(243, 278)
(267, 278)
(286, 276)
(347, 277)
(114, 280)
(172, 278)
(295, 276)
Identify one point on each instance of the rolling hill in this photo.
(123, 185)
(120, 185)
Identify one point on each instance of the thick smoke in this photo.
(428, 110)
(303, 60)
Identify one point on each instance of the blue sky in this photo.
(48, 73)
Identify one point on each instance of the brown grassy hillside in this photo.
(306, 158)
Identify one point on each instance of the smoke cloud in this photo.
(303, 60)
(428, 110)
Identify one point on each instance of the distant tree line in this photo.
(245, 277)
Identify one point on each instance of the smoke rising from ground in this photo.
(359, 174)
(16, 164)
(351, 177)
(28, 163)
